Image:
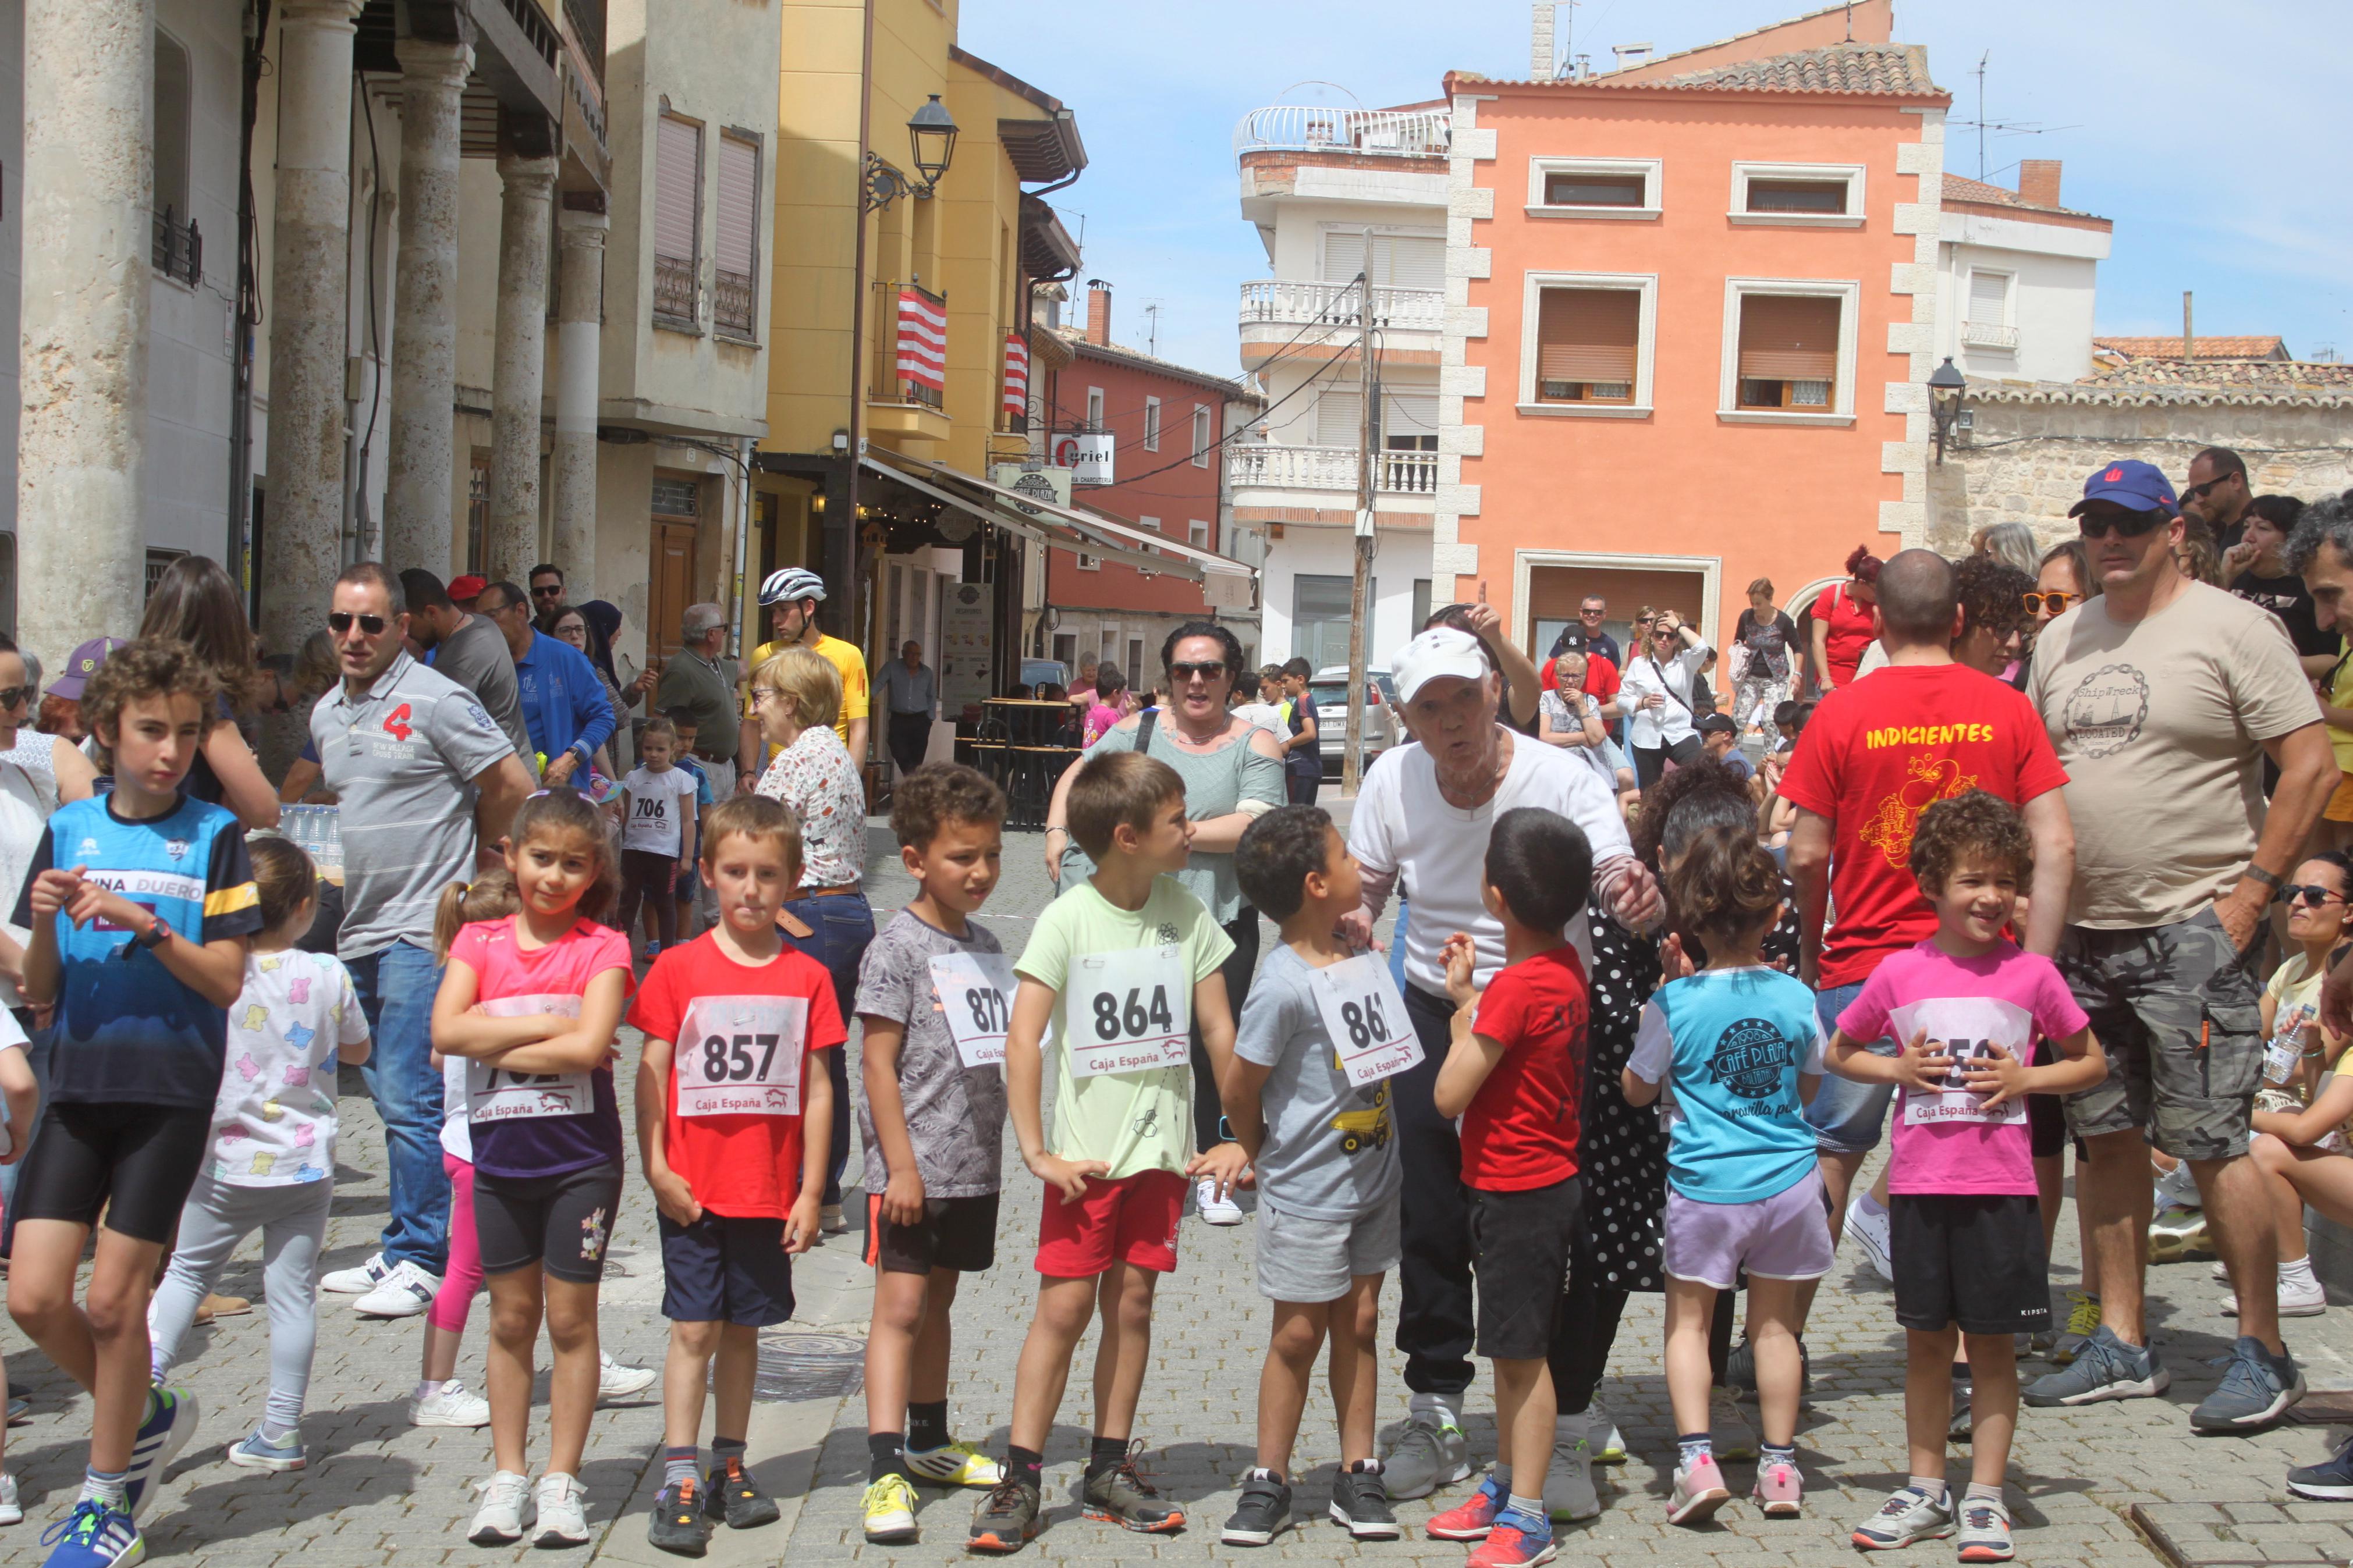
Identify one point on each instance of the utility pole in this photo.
(1351, 752)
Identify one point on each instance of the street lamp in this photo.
(1946, 386)
(931, 131)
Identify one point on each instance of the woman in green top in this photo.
(1233, 771)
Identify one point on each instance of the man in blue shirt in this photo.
(563, 704)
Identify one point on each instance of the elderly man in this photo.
(701, 681)
(424, 779)
(563, 704)
(910, 695)
(1424, 816)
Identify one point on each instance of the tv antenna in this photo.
(1998, 127)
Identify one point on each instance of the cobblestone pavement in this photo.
(380, 1492)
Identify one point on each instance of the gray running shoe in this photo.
(1124, 1496)
(2256, 1386)
(1985, 1532)
(1568, 1491)
(1430, 1453)
(1908, 1515)
(2105, 1368)
(1359, 1504)
(1963, 1426)
(1262, 1513)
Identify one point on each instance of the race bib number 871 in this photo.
(740, 1055)
(1129, 1012)
(976, 993)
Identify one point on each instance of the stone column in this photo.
(89, 188)
(307, 332)
(417, 522)
(519, 365)
(579, 323)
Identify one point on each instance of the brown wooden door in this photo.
(673, 584)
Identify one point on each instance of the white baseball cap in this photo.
(1439, 652)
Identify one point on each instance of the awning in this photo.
(1114, 536)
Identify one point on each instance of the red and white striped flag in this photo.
(1016, 375)
(922, 341)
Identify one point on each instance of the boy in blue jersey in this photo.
(142, 905)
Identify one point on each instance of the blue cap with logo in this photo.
(2133, 485)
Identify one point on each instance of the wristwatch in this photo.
(156, 935)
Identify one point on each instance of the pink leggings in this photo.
(465, 1274)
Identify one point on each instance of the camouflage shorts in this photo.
(2175, 1007)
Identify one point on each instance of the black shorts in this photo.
(1519, 1256)
(135, 1162)
(561, 1223)
(726, 1268)
(1973, 1260)
(955, 1233)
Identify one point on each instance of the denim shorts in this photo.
(1848, 1117)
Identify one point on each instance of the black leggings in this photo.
(1208, 1109)
(645, 874)
(1651, 761)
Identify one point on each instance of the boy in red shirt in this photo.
(1515, 1075)
(733, 1111)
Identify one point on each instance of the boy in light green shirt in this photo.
(1121, 966)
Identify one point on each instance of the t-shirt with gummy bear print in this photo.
(274, 1122)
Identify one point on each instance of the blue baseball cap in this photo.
(2135, 486)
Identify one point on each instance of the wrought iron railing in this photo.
(674, 301)
(178, 248)
(1313, 128)
(734, 302)
(890, 385)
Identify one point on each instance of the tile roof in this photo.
(1232, 386)
(2245, 382)
(1874, 68)
(2246, 347)
(1961, 189)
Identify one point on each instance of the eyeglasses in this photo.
(12, 695)
(1207, 669)
(2312, 894)
(760, 691)
(2124, 525)
(340, 621)
(2048, 604)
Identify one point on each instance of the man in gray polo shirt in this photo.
(423, 773)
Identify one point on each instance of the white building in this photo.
(2018, 276)
(1334, 192)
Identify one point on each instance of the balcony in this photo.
(1374, 132)
(674, 302)
(1277, 302)
(1330, 470)
(176, 249)
(1986, 335)
(908, 332)
(734, 303)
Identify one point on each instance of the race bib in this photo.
(1966, 1027)
(740, 1055)
(1130, 1012)
(975, 992)
(495, 1094)
(1365, 1015)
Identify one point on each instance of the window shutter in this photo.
(1788, 337)
(1589, 334)
(1343, 255)
(1989, 292)
(1340, 419)
(678, 178)
(1412, 262)
(1410, 413)
(739, 203)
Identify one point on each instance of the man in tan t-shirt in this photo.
(2162, 697)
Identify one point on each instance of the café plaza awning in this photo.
(1050, 523)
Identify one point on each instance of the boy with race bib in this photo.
(934, 992)
(735, 1114)
(1307, 1093)
(1121, 965)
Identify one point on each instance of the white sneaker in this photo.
(403, 1293)
(1727, 1425)
(449, 1406)
(1216, 1210)
(356, 1281)
(614, 1381)
(11, 1511)
(1870, 1232)
(831, 1220)
(2303, 1299)
(563, 1512)
(499, 1521)
(2179, 1189)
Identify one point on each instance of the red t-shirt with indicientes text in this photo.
(1875, 756)
(1520, 1131)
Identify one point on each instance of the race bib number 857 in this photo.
(740, 1055)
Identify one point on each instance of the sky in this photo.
(2212, 135)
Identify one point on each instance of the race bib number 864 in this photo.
(1130, 1012)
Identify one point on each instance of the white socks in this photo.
(1452, 1404)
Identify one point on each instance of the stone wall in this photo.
(2028, 457)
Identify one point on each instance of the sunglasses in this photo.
(2050, 603)
(340, 621)
(1209, 670)
(2198, 492)
(2311, 894)
(2124, 525)
(547, 593)
(12, 695)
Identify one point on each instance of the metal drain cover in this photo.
(808, 1366)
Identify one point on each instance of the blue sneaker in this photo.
(94, 1536)
(258, 1453)
(2331, 1480)
(2105, 1368)
(2256, 1387)
(1517, 1540)
(171, 1422)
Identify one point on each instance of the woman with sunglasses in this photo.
(195, 603)
(1233, 771)
(1660, 697)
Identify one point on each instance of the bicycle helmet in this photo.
(790, 583)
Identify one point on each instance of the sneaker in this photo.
(1870, 1232)
(258, 1453)
(1263, 1512)
(732, 1495)
(954, 1464)
(1472, 1519)
(1780, 1491)
(1601, 1432)
(12, 1508)
(2177, 1232)
(2083, 1322)
(2302, 1299)
(1518, 1540)
(562, 1505)
(830, 1220)
(19, 1409)
(2105, 1368)
(356, 1281)
(1430, 1453)
(890, 1510)
(678, 1525)
(2178, 1189)
(2036, 1343)
(1699, 1492)
(614, 1381)
(1360, 1504)
(2331, 1480)
(403, 1293)
(449, 1406)
(94, 1536)
(2220, 1273)
(1740, 1372)
(1727, 1426)
(499, 1521)
(1215, 1210)
(1568, 1491)
(1908, 1515)
(1007, 1518)
(2256, 1387)
(1985, 1531)
(1963, 1426)
(171, 1422)
(653, 951)
(1124, 1496)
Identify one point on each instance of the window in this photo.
(1790, 350)
(1397, 261)
(1594, 188)
(1408, 421)
(1202, 441)
(1421, 604)
(1587, 343)
(158, 562)
(174, 236)
(1988, 299)
(1094, 563)
(1197, 534)
(1152, 424)
(1339, 419)
(1828, 195)
(675, 498)
(734, 287)
(1797, 196)
(1320, 619)
(677, 222)
(1136, 663)
(1095, 407)
(1066, 652)
(477, 510)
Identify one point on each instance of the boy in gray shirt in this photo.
(1316, 1125)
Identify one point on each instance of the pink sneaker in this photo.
(1468, 1520)
(1779, 1491)
(1699, 1492)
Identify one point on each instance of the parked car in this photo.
(1330, 689)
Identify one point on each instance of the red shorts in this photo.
(1132, 1220)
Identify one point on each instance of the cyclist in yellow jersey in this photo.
(791, 596)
